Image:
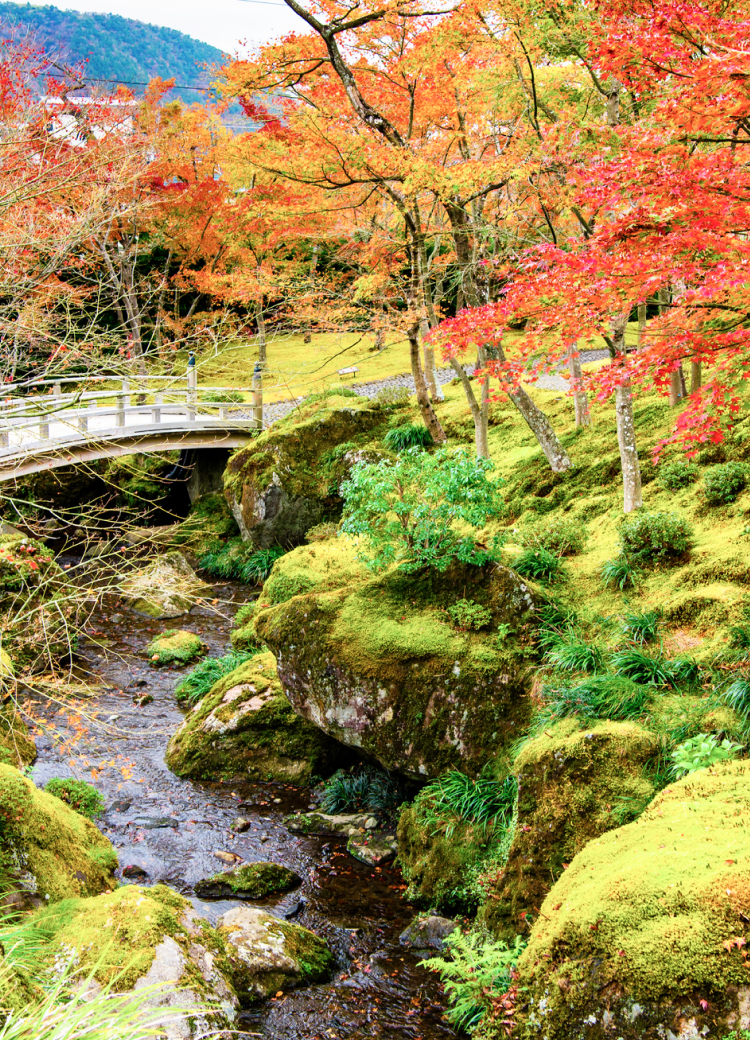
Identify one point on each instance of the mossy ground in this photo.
(64, 852)
(178, 647)
(245, 727)
(651, 913)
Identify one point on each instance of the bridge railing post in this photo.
(258, 395)
(156, 410)
(44, 427)
(192, 392)
(126, 394)
(120, 413)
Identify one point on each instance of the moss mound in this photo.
(645, 930)
(209, 521)
(16, 746)
(245, 727)
(53, 850)
(177, 647)
(573, 785)
(250, 881)
(287, 480)
(375, 661)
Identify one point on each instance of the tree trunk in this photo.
(479, 412)
(580, 399)
(696, 376)
(261, 322)
(431, 420)
(675, 389)
(430, 368)
(541, 427)
(629, 462)
(641, 321)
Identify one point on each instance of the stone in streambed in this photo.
(167, 588)
(250, 881)
(347, 824)
(267, 955)
(176, 647)
(240, 825)
(428, 933)
(374, 850)
(245, 727)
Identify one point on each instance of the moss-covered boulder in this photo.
(149, 939)
(250, 881)
(16, 746)
(52, 851)
(178, 647)
(245, 727)
(573, 785)
(375, 661)
(209, 521)
(168, 587)
(643, 936)
(267, 955)
(287, 480)
(7, 671)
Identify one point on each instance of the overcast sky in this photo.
(224, 23)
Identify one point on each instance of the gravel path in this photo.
(277, 410)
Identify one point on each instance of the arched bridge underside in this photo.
(63, 448)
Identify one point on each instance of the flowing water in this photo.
(168, 830)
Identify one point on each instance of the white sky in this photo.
(223, 23)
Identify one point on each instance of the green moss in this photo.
(650, 913)
(16, 746)
(178, 647)
(245, 727)
(66, 854)
(573, 784)
(209, 521)
(250, 881)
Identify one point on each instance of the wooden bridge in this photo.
(62, 428)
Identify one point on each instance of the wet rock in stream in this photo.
(251, 881)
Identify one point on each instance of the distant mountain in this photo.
(120, 49)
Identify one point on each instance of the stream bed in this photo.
(168, 830)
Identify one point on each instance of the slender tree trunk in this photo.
(629, 462)
(431, 420)
(674, 389)
(479, 411)
(696, 376)
(430, 368)
(641, 321)
(580, 399)
(261, 322)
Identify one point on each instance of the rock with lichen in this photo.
(245, 727)
(176, 647)
(250, 881)
(376, 661)
(150, 940)
(267, 955)
(643, 936)
(287, 481)
(168, 587)
(50, 851)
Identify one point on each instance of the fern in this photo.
(479, 970)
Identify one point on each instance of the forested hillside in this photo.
(116, 48)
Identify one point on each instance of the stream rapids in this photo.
(167, 830)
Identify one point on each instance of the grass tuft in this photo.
(199, 681)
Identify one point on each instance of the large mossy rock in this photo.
(573, 785)
(245, 727)
(149, 939)
(643, 937)
(287, 480)
(375, 661)
(267, 955)
(16, 746)
(51, 851)
(250, 881)
(168, 587)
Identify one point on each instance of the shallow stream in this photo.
(168, 830)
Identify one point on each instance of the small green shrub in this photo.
(476, 971)
(620, 573)
(366, 789)
(655, 537)
(540, 565)
(392, 397)
(410, 435)
(724, 483)
(560, 535)
(79, 795)
(199, 681)
(570, 653)
(654, 669)
(700, 752)
(677, 474)
(467, 614)
(642, 627)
